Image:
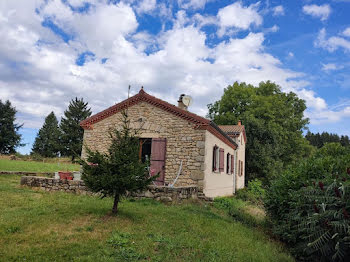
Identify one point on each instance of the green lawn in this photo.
(33, 166)
(44, 226)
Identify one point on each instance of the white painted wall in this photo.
(240, 156)
(216, 183)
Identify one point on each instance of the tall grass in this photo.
(33, 166)
(43, 226)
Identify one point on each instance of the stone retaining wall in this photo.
(166, 194)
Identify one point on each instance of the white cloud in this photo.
(278, 10)
(146, 6)
(318, 11)
(238, 17)
(332, 43)
(330, 67)
(38, 71)
(193, 4)
(346, 32)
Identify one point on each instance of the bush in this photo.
(309, 205)
(254, 192)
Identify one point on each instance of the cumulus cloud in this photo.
(318, 11)
(278, 10)
(238, 17)
(39, 73)
(332, 43)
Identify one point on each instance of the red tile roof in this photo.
(234, 130)
(198, 121)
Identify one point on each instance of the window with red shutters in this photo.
(228, 163)
(232, 163)
(221, 160)
(215, 158)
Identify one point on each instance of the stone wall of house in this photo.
(163, 193)
(183, 141)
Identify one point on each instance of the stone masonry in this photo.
(183, 141)
(162, 193)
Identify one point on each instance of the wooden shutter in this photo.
(228, 159)
(232, 163)
(221, 160)
(158, 159)
(241, 168)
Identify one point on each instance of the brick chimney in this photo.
(239, 122)
(180, 103)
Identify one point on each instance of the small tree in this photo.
(9, 137)
(120, 170)
(72, 133)
(47, 142)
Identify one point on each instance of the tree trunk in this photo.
(115, 205)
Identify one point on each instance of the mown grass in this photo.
(43, 226)
(33, 166)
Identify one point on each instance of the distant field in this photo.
(44, 226)
(33, 166)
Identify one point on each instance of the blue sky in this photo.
(54, 50)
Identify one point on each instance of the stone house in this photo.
(187, 150)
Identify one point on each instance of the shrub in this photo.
(309, 205)
(254, 192)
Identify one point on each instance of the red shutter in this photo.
(158, 159)
(221, 160)
(232, 163)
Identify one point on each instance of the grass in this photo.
(33, 166)
(43, 226)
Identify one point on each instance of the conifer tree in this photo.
(120, 170)
(72, 133)
(47, 142)
(9, 137)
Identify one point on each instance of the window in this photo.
(145, 149)
(215, 159)
(228, 164)
(222, 160)
(240, 170)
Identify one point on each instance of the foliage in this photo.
(47, 141)
(309, 203)
(9, 137)
(274, 122)
(254, 192)
(72, 132)
(120, 171)
(55, 227)
(319, 140)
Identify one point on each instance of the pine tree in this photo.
(72, 133)
(47, 142)
(9, 137)
(120, 171)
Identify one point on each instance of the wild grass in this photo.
(33, 166)
(43, 226)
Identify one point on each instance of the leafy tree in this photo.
(9, 137)
(274, 122)
(72, 133)
(120, 170)
(309, 205)
(319, 140)
(47, 142)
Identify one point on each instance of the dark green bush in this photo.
(309, 205)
